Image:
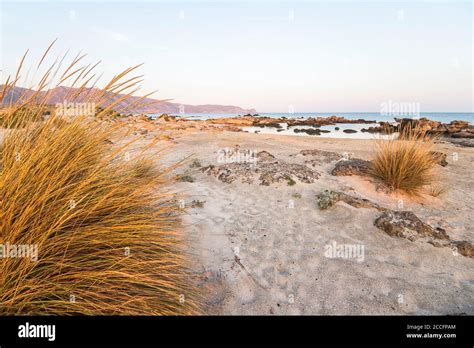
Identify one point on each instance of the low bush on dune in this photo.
(102, 232)
(405, 163)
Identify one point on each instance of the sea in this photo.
(444, 117)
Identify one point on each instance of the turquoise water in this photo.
(445, 117)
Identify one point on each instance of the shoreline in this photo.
(326, 127)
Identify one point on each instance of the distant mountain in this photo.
(148, 105)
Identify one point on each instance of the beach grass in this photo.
(405, 163)
(106, 230)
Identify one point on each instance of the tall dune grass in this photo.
(405, 163)
(108, 233)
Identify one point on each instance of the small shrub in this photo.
(290, 181)
(405, 163)
(327, 199)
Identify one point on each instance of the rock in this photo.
(464, 248)
(309, 131)
(440, 158)
(337, 128)
(268, 124)
(349, 131)
(407, 225)
(463, 134)
(358, 202)
(167, 118)
(351, 167)
(267, 169)
(433, 127)
(327, 199)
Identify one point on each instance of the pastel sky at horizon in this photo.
(272, 56)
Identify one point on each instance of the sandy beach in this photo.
(260, 249)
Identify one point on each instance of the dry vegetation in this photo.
(405, 163)
(107, 231)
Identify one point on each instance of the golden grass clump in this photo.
(405, 163)
(106, 231)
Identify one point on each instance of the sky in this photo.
(268, 55)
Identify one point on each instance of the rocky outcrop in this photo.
(266, 170)
(456, 129)
(351, 167)
(405, 224)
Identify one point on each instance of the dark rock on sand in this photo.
(349, 131)
(407, 225)
(351, 167)
(464, 248)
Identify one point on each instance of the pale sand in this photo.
(281, 267)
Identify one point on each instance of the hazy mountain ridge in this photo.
(146, 105)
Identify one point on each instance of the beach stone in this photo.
(407, 225)
(351, 167)
(310, 131)
(349, 131)
(464, 248)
